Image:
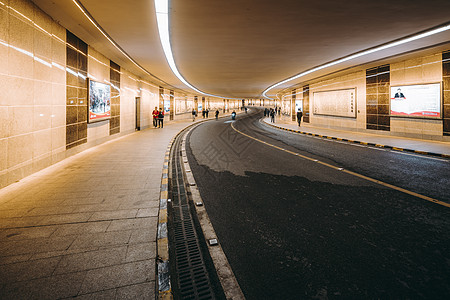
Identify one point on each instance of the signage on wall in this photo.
(99, 105)
(166, 105)
(339, 103)
(298, 105)
(421, 100)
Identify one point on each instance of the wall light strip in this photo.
(162, 18)
(359, 54)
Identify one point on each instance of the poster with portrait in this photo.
(339, 103)
(99, 101)
(421, 100)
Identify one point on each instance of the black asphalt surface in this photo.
(294, 229)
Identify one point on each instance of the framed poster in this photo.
(421, 100)
(339, 103)
(99, 104)
(298, 105)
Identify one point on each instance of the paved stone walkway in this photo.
(86, 226)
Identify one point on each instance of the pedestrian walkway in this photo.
(429, 147)
(87, 225)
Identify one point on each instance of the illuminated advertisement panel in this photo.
(422, 100)
(99, 101)
(339, 103)
(298, 105)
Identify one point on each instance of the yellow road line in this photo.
(348, 172)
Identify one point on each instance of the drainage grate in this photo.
(192, 278)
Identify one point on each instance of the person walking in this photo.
(193, 115)
(160, 118)
(155, 114)
(207, 112)
(272, 115)
(299, 117)
(217, 114)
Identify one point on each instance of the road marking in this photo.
(416, 153)
(348, 172)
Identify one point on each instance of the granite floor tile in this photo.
(28, 270)
(144, 251)
(102, 295)
(114, 215)
(66, 218)
(33, 246)
(51, 210)
(148, 212)
(98, 207)
(143, 291)
(27, 233)
(143, 235)
(104, 239)
(128, 224)
(91, 260)
(81, 228)
(55, 287)
(118, 276)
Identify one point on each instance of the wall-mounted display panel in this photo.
(99, 101)
(298, 105)
(420, 100)
(339, 103)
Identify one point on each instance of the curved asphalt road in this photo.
(295, 229)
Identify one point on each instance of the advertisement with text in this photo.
(422, 100)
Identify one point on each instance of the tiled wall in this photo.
(33, 97)
(43, 105)
(352, 80)
(114, 75)
(293, 112)
(306, 104)
(161, 97)
(76, 79)
(377, 98)
(446, 93)
(419, 70)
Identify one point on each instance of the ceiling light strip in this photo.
(359, 54)
(91, 19)
(162, 18)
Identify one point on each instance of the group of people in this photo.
(158, 117)
(272, 112)
(205, 113)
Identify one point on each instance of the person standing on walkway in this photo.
(272, 115)
(155, 114)
(207, 112)
(299, 117)
(217, 114)
(160, 118)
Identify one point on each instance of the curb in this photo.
(361, 143)
(226, 275)
(162, 257)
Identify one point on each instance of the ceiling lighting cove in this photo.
(359, 54)
(162, 18)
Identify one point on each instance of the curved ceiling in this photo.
(238, 48)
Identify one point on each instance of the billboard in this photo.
(99, 101)
(421, 100)
(339, 103)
